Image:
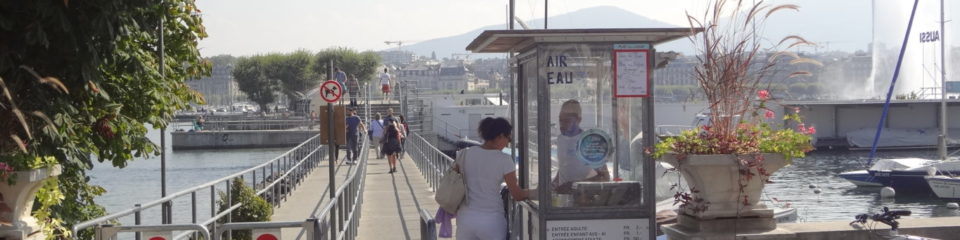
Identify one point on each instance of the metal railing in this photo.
(256, 124)
(277, 178)
(346, 203)
(310, 226)
(110, 232)
(430, 160)
(432, 164)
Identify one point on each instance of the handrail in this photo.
(111, 230)
(432, 163)
(290, 162)
(347, 201)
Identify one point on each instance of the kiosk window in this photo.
(594, 137)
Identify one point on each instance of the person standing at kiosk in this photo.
(484, 168)
(571, 169)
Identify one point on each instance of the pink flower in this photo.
(768, 115)
(801, 128)
(811, 130)
(763, 94)
(796, 109)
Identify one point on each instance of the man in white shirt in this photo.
(570, 168)
(385, 82)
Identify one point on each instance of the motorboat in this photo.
(864, 178)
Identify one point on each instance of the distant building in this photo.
(423, 75)
(218, 89)
(397, 58)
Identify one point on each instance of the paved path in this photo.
(390, 201)
(311, 195)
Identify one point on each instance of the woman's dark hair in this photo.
(490, 128)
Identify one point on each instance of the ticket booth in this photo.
(583, 115)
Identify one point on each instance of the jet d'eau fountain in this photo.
(920, 73)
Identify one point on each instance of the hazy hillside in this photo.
(817, 21)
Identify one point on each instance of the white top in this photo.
(571, 169)
(377, 127)
(384, 78)
(483, 170)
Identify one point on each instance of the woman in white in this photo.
(484, 168)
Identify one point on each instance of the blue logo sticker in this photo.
(593, 147)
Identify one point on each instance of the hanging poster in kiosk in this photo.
(626, 229)
(631, 76)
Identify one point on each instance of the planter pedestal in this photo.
(716, 177)
(19, 199)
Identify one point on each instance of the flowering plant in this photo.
(730, 69)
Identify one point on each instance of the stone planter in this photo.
(716, 177)
(19, 199)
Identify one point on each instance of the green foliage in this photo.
(81, 81)
(250, 74)
(293, 72)
(253, 208)
(363, 65)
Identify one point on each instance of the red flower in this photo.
(811, 130)
(769, 114)
(763, 94)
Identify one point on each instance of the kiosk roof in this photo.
(501, 41)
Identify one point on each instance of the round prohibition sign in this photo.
(331, 91)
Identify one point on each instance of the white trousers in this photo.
(481, 226)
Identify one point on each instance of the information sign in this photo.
(626, 229)
(631, 76)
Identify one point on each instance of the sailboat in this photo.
(909, 175)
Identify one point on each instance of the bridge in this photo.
(311, 196)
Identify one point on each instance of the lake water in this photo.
(139, 182)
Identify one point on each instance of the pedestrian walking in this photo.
(353, 87)
(385, 80)
(376, 134)
(354, 128)
(391, 145)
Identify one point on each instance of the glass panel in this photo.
(587, 135)
(529, 68)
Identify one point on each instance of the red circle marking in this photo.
(325, 89)
(265, 236)
(158, 238)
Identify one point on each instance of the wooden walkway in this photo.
(390, 201)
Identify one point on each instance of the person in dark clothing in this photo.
(391, 146)
(354, 129)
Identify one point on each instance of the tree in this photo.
(293, 71)
(81, 82)
(251, 77)
(253, 208)
(363, 65)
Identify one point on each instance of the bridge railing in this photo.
(432, 163)
(273, 180)
(341, 216)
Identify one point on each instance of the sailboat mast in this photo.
(942, 144)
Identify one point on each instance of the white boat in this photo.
(864, 178)
(944, 186)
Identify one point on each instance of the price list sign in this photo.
(631, 76)
(626, 229)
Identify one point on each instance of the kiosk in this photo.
(583, 116)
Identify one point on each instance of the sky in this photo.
(248, 27)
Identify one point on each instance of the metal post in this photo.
(193, 210)
(165, 208)
(649, 174)
(546, 4)
(136, 220)
(331, 146)
(942, 148)
(229, 205)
